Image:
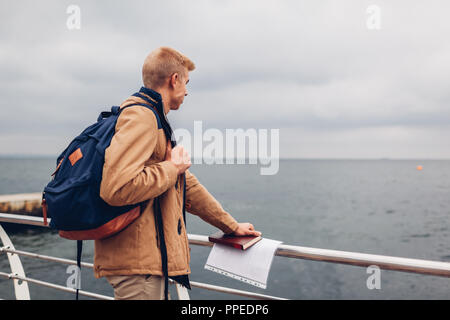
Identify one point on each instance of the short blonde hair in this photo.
(161, 64)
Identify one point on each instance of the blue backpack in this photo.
(72, 199)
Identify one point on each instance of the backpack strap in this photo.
(162, 244)
(116, 110)
(158, 106)
(106, 114)
(156, 203)
(184, 199)
(151, 107)
(79, 251)
(150, 101)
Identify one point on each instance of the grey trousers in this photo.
(137, 287)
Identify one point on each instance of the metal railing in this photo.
(419, 266)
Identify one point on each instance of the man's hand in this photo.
(179, 157)
(246, 229)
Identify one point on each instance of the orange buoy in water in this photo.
(419, 168)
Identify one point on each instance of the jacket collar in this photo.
(152, 94)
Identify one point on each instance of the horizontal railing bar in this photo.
(221, 289)
(428, 267)
(194, 284)
(47, 258)
(420, 266)
(55, 286)
(23, 219)
(234, 291)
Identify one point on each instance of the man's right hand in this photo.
(179, 157)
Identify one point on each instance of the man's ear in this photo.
(173, 79)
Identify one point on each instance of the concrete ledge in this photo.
(22, 203)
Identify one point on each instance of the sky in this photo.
(337, 79)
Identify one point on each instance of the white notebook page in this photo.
(251, 266)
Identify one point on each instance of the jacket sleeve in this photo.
(201, 203)
(126, 179)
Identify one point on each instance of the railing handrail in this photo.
(429, 267)
(90, 265)
(37, 221)
(421, 266)
(55, 286)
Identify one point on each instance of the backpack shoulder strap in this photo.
(158, 119)
(150, 101)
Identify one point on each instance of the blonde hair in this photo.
(161, 64)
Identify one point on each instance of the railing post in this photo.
(182, 292)
(20, 287)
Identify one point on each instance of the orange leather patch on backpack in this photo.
(75, 156)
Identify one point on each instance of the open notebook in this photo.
(251, 266)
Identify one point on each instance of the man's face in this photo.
(179, 90)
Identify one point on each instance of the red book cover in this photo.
(238, 242)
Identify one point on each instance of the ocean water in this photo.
(382, 207)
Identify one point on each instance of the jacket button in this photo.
(179, 226)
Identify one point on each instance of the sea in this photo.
(383, 207)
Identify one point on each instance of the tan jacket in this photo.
(135, 171)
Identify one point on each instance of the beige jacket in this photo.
(135, 171)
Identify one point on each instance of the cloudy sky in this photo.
(335, 87)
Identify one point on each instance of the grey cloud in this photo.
(260, 64)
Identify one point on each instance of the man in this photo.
(141, 165)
